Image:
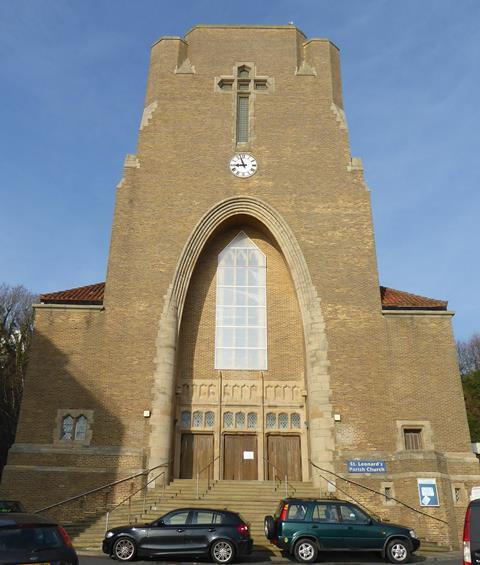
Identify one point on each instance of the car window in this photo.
(352, 514)
(36, 538)
(325, 513)
(224, 518)
(10, 506)
(202, 517)
(297, 511)
(176, 518)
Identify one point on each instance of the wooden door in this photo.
(284, 452)
(238, 463)
(196, 454)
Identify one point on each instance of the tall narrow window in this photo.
(242, 119)
(81, 428)
(67, 428)
(241, 324)
(413, 439)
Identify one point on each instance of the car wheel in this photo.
(124, 549)
(222, 551)
(398, 551)
(305, 551)
(269, 527)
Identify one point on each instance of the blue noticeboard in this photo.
(366, 466)
(427, 492)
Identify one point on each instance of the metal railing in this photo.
(369, 489)
(277, 476)
(210, 468)
(100, 488)
(143, 487)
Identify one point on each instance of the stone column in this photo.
(163, 391)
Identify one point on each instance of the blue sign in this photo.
(366, 466)
(427, 492)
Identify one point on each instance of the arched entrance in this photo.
(318, 409)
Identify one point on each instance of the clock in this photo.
(243, 165)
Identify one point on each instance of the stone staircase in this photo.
(252, 499)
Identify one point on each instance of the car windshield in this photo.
(30, 538)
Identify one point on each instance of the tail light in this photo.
(284, 512)
(242, 529)
(65, 536)
(467, 555)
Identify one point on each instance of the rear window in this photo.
(475, 522)
(30, 538)
(227, 518)
(297, 511)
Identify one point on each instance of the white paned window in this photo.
(197, 421)
(185, 419)
(81, 428)
(252, 420)
(271, 420)
(209, 419)
(241, 318)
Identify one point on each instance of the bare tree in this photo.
(16, 327)
(469, 355)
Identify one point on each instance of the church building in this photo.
(242, 322)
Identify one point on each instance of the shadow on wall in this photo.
(45, 467)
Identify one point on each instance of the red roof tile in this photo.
(91, 294)
(391, 299)
(398, 299)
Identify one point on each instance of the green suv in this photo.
(303, 527)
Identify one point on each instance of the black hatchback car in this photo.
(29, 538)
(199, 532)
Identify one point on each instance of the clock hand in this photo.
(241, 159)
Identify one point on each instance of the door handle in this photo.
(212, 529)
(180, 530)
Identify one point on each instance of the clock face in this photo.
(243, 165)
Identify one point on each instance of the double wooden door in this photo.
(240, 461)
(284, 457)
(196, 454)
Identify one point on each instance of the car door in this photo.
(326, 526)
(167, 535)
(200, 530)
(360, 532)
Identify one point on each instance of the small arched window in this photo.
(271, 420)
(81, 428)
(295, 420)
(252, 420)
(67, 428)
(283, 420)
(240, 420)
(209, 419)
(228, 420)
(197, 421)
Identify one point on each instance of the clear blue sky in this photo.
(73, 76)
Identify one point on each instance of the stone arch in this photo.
(316, 364)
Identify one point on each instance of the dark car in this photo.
(29, 538)
(304, 527)
(471, 534)
(199, 532)
(11, 506)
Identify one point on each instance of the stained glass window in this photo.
(185, 419)
(240, 420)
(228, 420)
(209, 419)
(283, 421)
(197, 420)
(271, 420)
(295, 420)
(67, 428)
(252, 420)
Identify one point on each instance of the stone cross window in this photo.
(244, 84)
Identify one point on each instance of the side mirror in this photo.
(158, 523)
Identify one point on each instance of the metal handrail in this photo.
(370, 490)
(98, 489)
(277, 476)
(208, 475)
(130, 496)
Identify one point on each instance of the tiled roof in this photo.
(91, 294)
(398, 299)
(391, 299)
